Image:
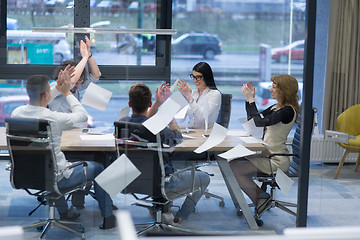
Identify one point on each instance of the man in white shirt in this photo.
(38, 89)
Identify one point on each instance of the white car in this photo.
(263, 97)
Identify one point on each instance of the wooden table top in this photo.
(71, 141)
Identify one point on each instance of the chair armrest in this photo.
(76, 164)
(283, 154)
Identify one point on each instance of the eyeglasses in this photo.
(197, 78)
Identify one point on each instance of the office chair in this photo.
(223, 120)
(33, 169)
(349, 122)
(144, 149)
(269, 179)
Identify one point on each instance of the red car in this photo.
(9, 103)
(281, 54)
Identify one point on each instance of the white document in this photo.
(251, 140)
(283, 181)
(238, 133)
(94, 137)
(165, 113)
(217, 135)
(101, 130)
(125, 225)
(124, 112)
(118, 175)
(172, 88)
(187, 136)
(96, 97)
(181, 115)
(236, 152)
(251, 128)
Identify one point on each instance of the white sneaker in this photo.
(167, 218)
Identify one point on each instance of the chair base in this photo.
(45, 225)
(208, 194)
(158, 225)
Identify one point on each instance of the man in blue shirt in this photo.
(140, 102)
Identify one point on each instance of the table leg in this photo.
(236, 193)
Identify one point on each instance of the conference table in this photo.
(76, 140)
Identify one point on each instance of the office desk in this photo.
(71, 142)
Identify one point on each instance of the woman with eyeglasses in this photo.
(205, 101)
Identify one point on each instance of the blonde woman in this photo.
(277, 121)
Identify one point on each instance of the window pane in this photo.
(27, 47)
(230, 42)
(123, 48)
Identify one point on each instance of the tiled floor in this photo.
(331, 203)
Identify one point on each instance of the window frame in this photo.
(161, 70)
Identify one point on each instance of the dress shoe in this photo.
(109, 222)
(69, 215)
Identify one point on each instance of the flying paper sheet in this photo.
(236, 152)
(217, 135)
(125, 226)
(172, 88)
(96, 97)
(118, 175)
(238, 133)
(124, 112)
(94, 137)
(251, 140)
(165, 113)
(283, 181)
(181, 115)
(251, 128)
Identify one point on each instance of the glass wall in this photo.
(242, 41)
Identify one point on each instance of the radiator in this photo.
(327, 151)
(324, 150)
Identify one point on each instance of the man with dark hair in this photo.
(80, 79)
(140, 102)
(38, 89)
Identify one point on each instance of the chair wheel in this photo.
(222, 204)
(239, 213)
(259, 222)
(81, 229)
(40, 228)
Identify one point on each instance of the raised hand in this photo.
(63, 82)
(249, 92)
(184, 88)
(88, 44)
(83, 50)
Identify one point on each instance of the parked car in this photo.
(281, 54)
(207, 45)
(263, 98)
(9, 103)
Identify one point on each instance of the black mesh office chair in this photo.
(33, 168)
(223, 120)
(269, 179)
(145, 151)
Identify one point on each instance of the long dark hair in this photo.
(205, 69)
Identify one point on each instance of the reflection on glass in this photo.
(27, 47)
(230, 42)
(123, 48)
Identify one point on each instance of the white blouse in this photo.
(208, 104)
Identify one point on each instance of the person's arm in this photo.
(171, 137)
(79, 114)
(81, 65)
(161, 94)
(269, 117)
(93, 67)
